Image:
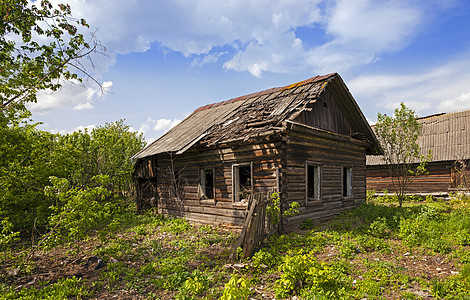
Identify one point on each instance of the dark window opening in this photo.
(242, 182)
(245, 182)
(208, 179)
(347, 182)
(313, 182)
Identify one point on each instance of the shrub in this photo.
(379, 228)
(263, 259)
(237, 288)
(438, 245)
(411, 231)
(302, 272)
(306, 224)
(274, 209)
(7, 236)
(196, 284)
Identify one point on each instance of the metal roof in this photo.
(253, 115)
(447, 135)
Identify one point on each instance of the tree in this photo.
(29, 157)
(39, 47)
(398, 136)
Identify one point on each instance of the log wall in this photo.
(277, 166)
(332, 155)
(438, 179)
(263, 157)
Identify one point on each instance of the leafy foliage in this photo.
(40, 45)
(301, 271)
(398, 136)
(77, 212)
(63, 289)
(29, 157)
(274, 209)
(238, 287)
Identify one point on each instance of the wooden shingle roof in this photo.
(446, 135)
(253, 115)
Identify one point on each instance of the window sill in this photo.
(240, 205)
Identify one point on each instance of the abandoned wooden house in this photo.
(447, 135)
(307, 141)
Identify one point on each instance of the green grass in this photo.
(377, 251)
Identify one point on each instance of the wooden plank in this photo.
(233, 255)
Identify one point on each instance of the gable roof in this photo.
(257, 114)
(447, 135)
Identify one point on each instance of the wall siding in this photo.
(438, 179)
(265, 159)
(331, 155)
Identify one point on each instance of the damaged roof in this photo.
(447, 135)
(256, 114)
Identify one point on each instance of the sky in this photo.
(163, 59)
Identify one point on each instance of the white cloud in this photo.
(261, 33)
(72, 94)
(84, 106)
(462, 102)
(374, 25)
(89, 128)
(152, 128)
(441, 89)
(206, 59)
(165, 124)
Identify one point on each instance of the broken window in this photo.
(206, 184)
(242, 181)
(347, 181)
(313, 181)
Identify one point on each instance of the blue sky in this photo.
(166, 58)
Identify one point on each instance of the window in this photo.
(312, 181)
(347, 181)
(242, 182)
(206, 184)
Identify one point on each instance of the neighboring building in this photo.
(448, 138)
(307, 141)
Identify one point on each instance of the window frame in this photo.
(344, 187)
(317, 169)
(236, 179)
(202, 183)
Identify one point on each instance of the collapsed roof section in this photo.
(259, 114)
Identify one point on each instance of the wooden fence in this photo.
(257, 227)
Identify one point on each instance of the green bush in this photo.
(7, 236)
(263, 259)
(411, 231)
(237, 288)
(379, 228)
(195, 284)
(301, 271)
(78, 212)
(348, 249)
(306, 224)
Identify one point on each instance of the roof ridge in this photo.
(267, 91)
